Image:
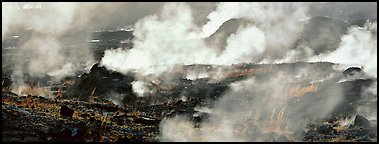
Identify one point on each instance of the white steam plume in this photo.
(243, 46)
(279, 21)
(44, 52)
(141, 88)
(357, 48)
(116, 98)
(51, 29)
(170, 38)
(160, 40)
(6, 18)
(223, 13)
(253, 110)
(173, 38)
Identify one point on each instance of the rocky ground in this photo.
(84, 113)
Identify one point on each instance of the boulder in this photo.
(361, 121)
(66, 111)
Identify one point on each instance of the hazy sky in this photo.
(120, 14)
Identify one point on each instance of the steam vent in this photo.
(189, 72)
(353, 73)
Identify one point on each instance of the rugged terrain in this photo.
(84, 112)
(270, 102)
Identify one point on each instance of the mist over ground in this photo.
(54, 40)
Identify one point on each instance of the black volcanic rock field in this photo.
(83, 112)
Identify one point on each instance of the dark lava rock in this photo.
(123, 139)
(100, 82)
(135, 138)
(65, 111)
(120, 120)
(146, 121)
(92, 119)
(7, 81)
(350, 70)
(79, 131)
(353, 73)
(170, 114)
(309, 136)
(325, 129)
(358, 135)
(63, 135)
(361, 121)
